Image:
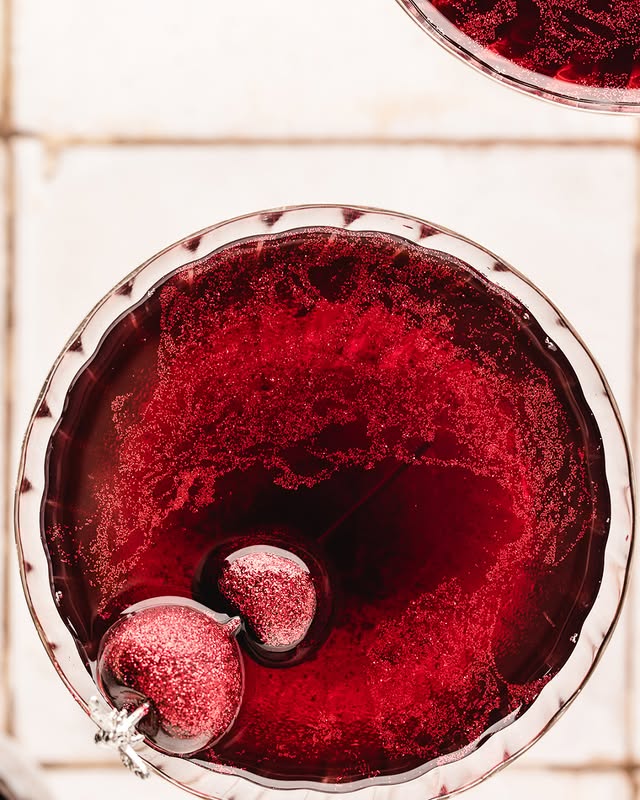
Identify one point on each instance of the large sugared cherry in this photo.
(273, 593)
(185, 662)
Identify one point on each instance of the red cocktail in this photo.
(583, 54)
(353, 442)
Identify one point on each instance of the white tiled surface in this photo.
(137, 123)
(200, 69)
(523, 784)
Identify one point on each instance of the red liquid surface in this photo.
(588, 42)
(388, 410)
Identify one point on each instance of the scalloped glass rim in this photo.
(586, 98)
(452, 773)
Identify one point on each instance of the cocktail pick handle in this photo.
(117, 730)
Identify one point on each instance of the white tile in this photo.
(77, 784)
(106, 784)
(553, 785)
(634, 601)
(42, 705)
(634, 698)
(93, 214)
(592, 729)
(3, 29)
(20, 777)
(203, 69)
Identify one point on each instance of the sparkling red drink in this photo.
(401, 426)
(594, 43)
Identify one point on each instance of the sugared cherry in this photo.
(185, 662)
(273, 593)
(277, 582)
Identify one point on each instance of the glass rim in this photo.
(585, 98)
(515, 734)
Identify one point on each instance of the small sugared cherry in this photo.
(185, 662)
(274, 594)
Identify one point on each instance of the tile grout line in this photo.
(59, 143)
(7, 723)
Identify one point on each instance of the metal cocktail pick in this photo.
(117, 729)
